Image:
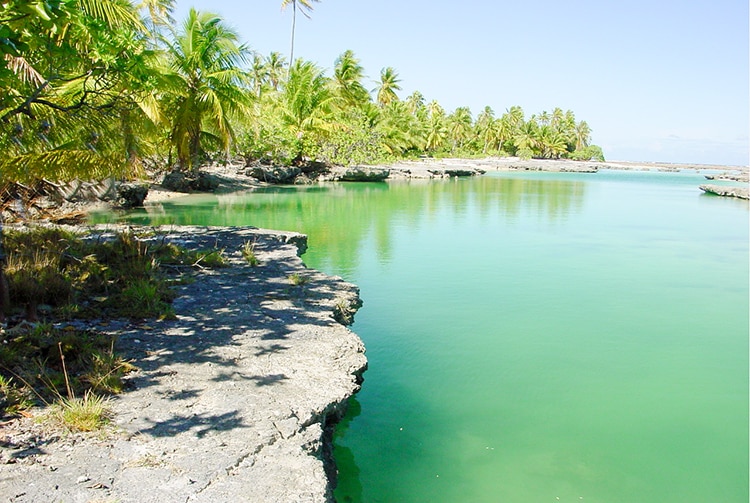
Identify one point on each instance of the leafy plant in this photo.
(125, 275)
(209, 258)
(144, 298)
(248, 253)
(49, 363)
(297, 279)
(13, 399)
(344, 310)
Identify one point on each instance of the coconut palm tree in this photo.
(399, 130)
(459, 126)
(347, 80)
(583, 135)
(305, 6)
(485, 127)
(159, 15)
(386, 91)
(550, 142)
(206, 85)
(415, 102)
(275, 64)
(525, 138)
(258, 75)
(305, 104)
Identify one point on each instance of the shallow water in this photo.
(532, 337)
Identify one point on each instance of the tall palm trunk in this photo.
(294, 24)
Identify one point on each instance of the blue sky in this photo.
(657, 80)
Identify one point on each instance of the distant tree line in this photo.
(99, 88)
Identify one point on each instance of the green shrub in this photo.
(590, 153)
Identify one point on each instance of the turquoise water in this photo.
(531, 337)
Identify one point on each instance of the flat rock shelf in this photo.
(235, 400)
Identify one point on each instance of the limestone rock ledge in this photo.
(231, 401)
(724, 190)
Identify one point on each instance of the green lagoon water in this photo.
(531, 337)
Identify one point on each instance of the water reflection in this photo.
(341, 218)
(348, 476)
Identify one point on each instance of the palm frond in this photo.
(114, 13)
(21, 67)
(60, 165)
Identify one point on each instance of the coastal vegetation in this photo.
(57, 275)
(113, 89)
(108, 88)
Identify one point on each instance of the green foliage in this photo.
(13, 399)
(297, 279)
(589, 153)
(525, 153)
(353, 142)
(89, 413)
(96, 88)
(144, 298)
(212, 259)
(206, 86)
(305, 106)
(123, 275)
(71, 84)
(47, 363)
(248, 253)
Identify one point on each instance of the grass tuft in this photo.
(297, 279)
(89, 413)
(248, 252)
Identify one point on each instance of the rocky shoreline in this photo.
(237, 398)
(234, 400)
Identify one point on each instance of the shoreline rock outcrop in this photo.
(234, 400)
(726, 190)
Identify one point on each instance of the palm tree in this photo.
(159, 15)
(525, 138)
(305, 104)
(436, 133)
(347, 80)
(398, 129)
(415, 102)
(206, 84)
(275, 64)
(486, 127)
(583, 135)
(459, 126)
(549, 142)
(305, 6)
(434, 109)
(386, 91)
(258, 75)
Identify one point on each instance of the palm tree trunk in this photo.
(294, 24)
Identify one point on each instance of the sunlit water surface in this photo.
(531, 337)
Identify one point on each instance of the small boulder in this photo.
(204, 183)
(458, 172)
(176, 181)
(183, 182)
(364, 174)
(131, 195)
(275, 174)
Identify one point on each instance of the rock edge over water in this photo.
(233, 401)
